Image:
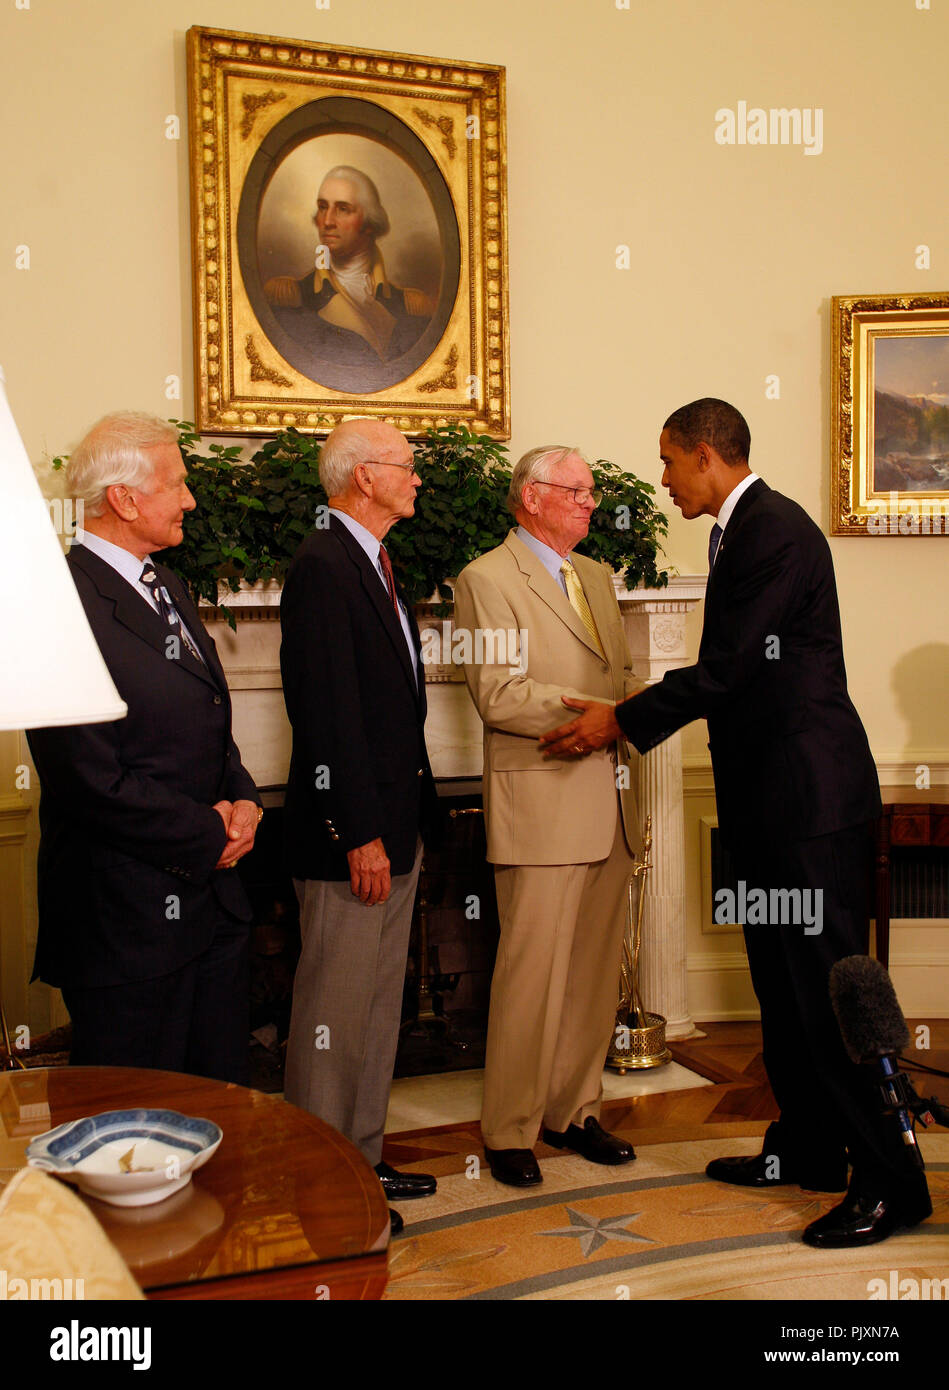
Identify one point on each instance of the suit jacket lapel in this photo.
(730, 534)
(134, 612)
(546, 587)
(376, 593)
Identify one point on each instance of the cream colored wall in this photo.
(611, 118)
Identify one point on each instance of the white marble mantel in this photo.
(655, 626)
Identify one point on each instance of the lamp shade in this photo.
(51, 671)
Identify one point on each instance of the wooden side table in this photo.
(909, 818)
(287, 1208)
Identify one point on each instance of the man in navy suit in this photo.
(360, 791)
(143, 923)
(797, 791)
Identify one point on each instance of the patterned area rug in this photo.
(656, 1229)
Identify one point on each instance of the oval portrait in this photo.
(348, 245)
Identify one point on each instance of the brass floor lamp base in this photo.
(647, 1046)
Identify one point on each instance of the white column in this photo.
(655, 627)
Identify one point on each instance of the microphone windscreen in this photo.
(871, 1020)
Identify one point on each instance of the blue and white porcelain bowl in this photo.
(130, 1158)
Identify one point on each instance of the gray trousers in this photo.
(347, 1003)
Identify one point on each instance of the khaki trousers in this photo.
(553, 995)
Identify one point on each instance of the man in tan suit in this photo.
(561, 835)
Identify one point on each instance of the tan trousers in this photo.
(553, 995)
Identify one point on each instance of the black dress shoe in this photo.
(592, 1142)
(516, 1167)
(864, 1219)
(396, 1224)
(757, 1170)
(400, 1187)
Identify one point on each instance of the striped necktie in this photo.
(715, 535)
(578, 602)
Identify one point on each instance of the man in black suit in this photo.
(797, 790)
(359, 793)
(143, 924)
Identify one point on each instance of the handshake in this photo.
(595, 728)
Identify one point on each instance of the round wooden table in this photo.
(287, 1208)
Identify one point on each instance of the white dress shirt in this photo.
(130, 567)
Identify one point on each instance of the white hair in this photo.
(375, 215)
(536, 466)
(114, 452)
(344, 449)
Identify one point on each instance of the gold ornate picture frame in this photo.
(301, 325)
(890, 429)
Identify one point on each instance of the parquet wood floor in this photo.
(730, 1056)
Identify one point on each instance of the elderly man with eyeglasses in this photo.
(360, 793)
(562, 835)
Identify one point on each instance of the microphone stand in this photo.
(927, 1109)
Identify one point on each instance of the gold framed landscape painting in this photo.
(890, 429)
(349, 237)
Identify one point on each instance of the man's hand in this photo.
(595, 728)
(369, 876)
(241, 820)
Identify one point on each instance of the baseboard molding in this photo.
(716, 962)
(919, 960)
(729, 1016)
(894, 769)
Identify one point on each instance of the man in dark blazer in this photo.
(360, 790)
(143, 924)
(797, 791)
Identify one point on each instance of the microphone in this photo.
(874, 1031)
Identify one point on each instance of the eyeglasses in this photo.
(387, 463)
(580, 494)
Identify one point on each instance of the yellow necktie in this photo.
(578, 602)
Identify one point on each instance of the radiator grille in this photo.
(919, 879)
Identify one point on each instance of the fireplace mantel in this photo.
(655, 627)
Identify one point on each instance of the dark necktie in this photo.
(386, 565)
(166, 608)
(714, 537)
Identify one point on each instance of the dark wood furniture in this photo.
(285, 1209)
(910, 817)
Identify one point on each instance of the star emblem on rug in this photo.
(592, 1233)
